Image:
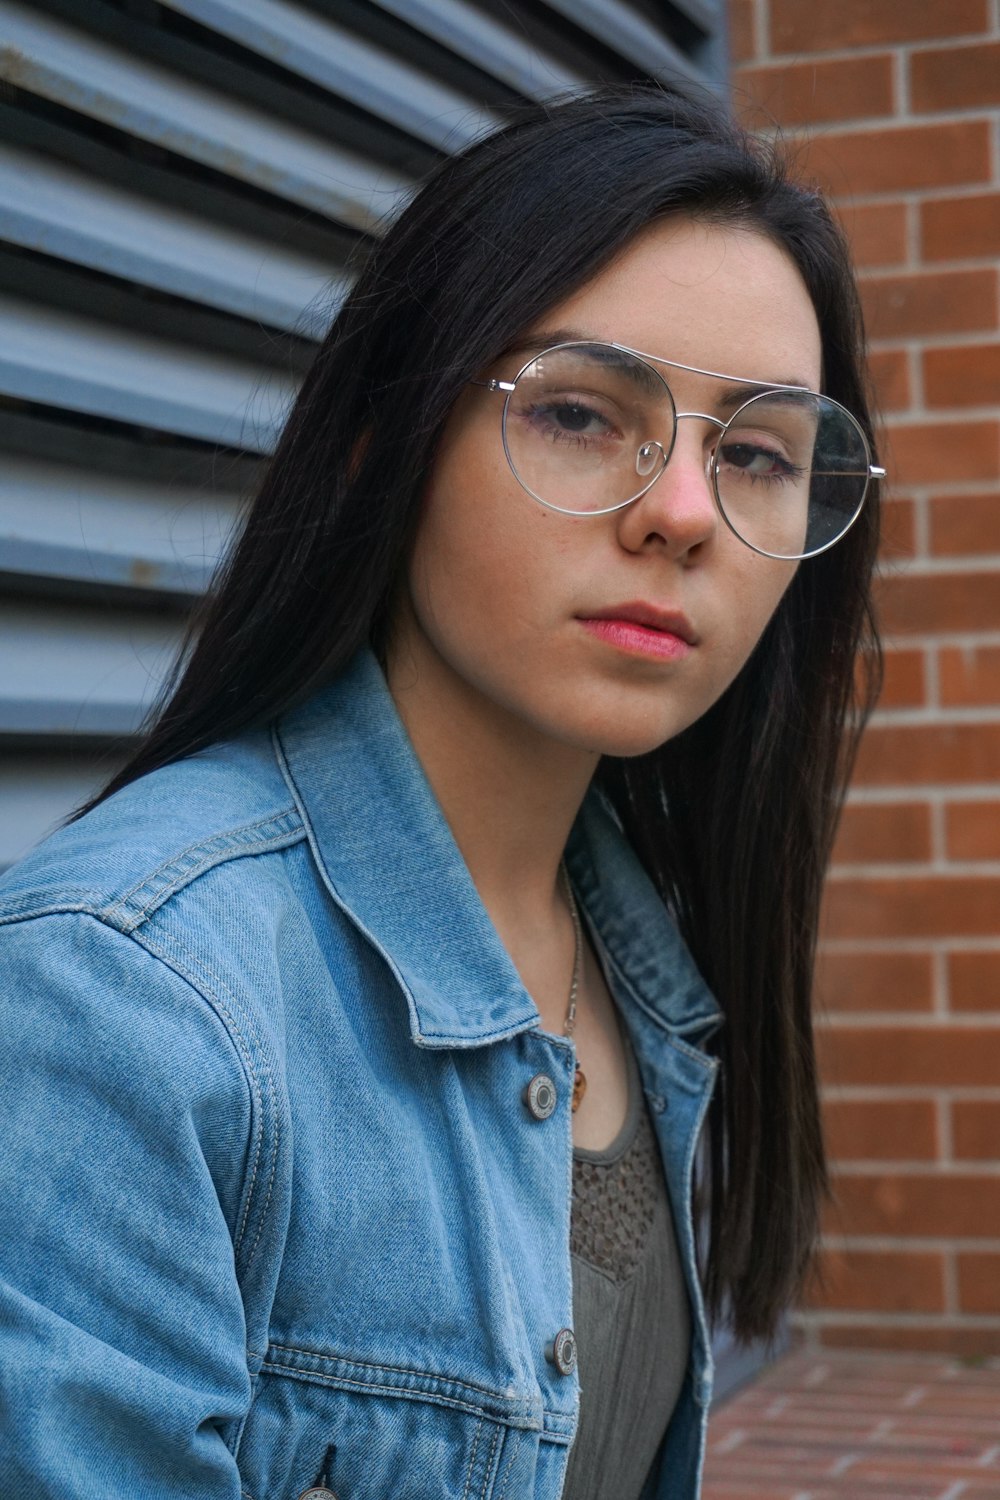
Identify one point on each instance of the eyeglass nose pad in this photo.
(648, 456)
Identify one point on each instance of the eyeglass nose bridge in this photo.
(652, 450)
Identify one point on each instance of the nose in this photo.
(679, 509)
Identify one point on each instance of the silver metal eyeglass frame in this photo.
(507, 387)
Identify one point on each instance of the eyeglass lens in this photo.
(589, 427)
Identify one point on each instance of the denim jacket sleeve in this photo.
(123, 1355)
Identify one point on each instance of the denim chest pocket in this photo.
(371, 1432)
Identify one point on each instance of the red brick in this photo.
(920, 302)
(878, 1281)
(948, 1338)
(890, 369)
(974, 982)
(965, 376)
(742, 30)
(975, 1129)
(904, 682)
(902, 755)
(910, 1056)
(943, 452)
(817, 92)
(965, 525)
(961, 228)
(965, 1204)
(931, 602)
(874, 981)
(877, 232)
(955, 77)
(970, 676)
(979, 1281)
(870, 833)
(796, 27)
(899, 532)
(901, 159)
(973, 830)
(877, 1130)
(919, 906)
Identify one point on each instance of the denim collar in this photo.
(388, 858)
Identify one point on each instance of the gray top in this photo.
(630, 1308)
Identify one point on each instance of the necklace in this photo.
(579, 1078)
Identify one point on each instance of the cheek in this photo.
(475, 568)
(755, 595)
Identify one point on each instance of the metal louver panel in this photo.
(181, 184)
(71, 69)
(328, 55)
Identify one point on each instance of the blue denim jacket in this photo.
(273, 1205)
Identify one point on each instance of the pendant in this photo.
(579, 1088)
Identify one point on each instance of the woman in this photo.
(360, 1035)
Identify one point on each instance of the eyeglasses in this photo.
(589, 427)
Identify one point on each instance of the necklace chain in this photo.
(579, 1081)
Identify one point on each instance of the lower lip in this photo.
(639, 640)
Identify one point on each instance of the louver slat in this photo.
(498, 50)
(50, 208)
(61, 523)
(88, 366)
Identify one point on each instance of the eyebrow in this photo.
(742, 390)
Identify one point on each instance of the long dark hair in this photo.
(733, 818)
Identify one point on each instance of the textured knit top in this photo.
(630, 1308)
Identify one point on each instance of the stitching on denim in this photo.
(22, 909)
(277, 1128)
(244, 1051)
(514, 1438)
(341, 1383)
(472, 1459)
(489, 1460)
(187, 864)
(369, 1364)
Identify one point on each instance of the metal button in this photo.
(540, 1096)
(562, 1351)
(317, 1492)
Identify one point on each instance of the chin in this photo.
(620, 736)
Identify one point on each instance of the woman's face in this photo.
(531, 612)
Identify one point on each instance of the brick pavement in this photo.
(845, 1425)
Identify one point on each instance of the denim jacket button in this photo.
(317, 1492)
(562, 1351)
(540, 1096)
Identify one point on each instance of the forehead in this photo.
(713, 297)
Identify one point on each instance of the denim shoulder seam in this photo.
(215, 993)
(276, 831)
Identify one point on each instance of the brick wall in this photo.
(897, 105)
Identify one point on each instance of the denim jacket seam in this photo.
(401, 1392)
(417, 1394)
(370, 1364)
(158, 885)
(215, 1001)
(674, 1031)
(514, 1439)
(472, 1459)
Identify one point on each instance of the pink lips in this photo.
(642, 629)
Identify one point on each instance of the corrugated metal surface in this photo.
(180, 184)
